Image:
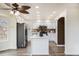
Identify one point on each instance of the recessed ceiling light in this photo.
(36, 6)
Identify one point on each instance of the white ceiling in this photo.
(44, 12)
(47, 12)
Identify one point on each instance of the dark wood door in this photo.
(61, 31)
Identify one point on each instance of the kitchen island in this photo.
(39, 45)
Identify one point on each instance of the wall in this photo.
(72, 30)
(10, 43)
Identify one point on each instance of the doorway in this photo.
(21, 35)
(61, 31)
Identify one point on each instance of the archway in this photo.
(61, 31)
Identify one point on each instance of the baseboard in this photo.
(60, 45)
(7, 49)
(71, 55)
(40, 54)
(3, 50)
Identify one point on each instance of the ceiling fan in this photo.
(16, 7)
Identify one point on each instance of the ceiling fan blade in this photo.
(15, 5)
(25, 7)
(25, 12)
(8, 4)
(5, 9)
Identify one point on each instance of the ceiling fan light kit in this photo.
(16, 7)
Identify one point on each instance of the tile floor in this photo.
(53, 51)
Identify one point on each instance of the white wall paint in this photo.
(72, 30)
(10, 43)
(12, 35)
